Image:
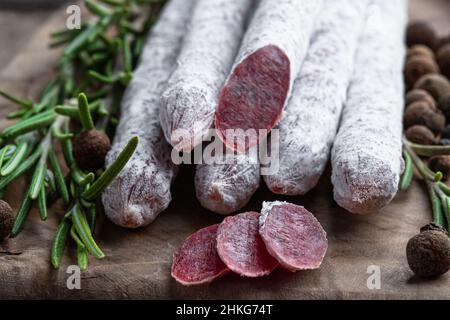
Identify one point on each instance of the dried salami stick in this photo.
(367, 153)
(207, 55)
(226, 188)
(311, 118)
(270, 57)
(142, 189)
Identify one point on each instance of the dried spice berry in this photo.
(418, 66)
(440, 163)
(90, 149)
(443, 58)
(419, 95)
(420, 50)
(435, 84)
(444, 106)
(433, 227)
(421, 33)
(6, 219)
(421, 113)
(420, 134)
(428, 253)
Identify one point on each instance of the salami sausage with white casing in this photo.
(367, 154)
(311, 118)
(226, 188)
(142, 190)
(268, 61)
(208, 52)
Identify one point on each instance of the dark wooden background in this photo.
(138, 262)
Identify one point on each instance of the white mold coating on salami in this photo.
(226, 188)
(270, 56)
(241, 248)
(142, 189)
(207, 55)
(196, 261)
(367, 153)
(311, 117)
(292, 235)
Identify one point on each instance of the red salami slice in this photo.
(197, 261)
(255, 94)
(241, 248)
(292, 235)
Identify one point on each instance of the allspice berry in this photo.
(443, 59)
(444, 106)
(419, 95)
(6, 220)
(421, 33)
(420, 50)
(420, 113)
(420, 134)
(418, 66)
(440, 163)
(90, 149)
(428, 253)
(435, 84)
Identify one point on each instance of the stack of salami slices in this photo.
(252, 244)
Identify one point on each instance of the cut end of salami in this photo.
(241, 248)
(253, 98)
(197, 261)
(292, 235)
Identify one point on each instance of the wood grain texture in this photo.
(138, 262)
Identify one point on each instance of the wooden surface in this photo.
(138, 262)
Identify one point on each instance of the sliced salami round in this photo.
(241, 248)
(292, 235)
(197, 261)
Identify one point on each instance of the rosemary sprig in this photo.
(111, 172)
(439, 192)
(96, 65)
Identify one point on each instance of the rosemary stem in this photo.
(436, 206)
(445, 202)
(421, 167)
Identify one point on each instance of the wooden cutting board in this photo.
(138, 261)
